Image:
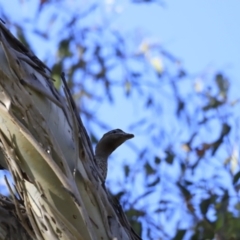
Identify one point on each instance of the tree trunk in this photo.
(57, 191)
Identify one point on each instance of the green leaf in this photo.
(21, 36)
(180, 234)
(148, 169)
(157, 160)
(170, 156)
(236, 177)
(56, 72)
(132, 213)
(126, 170)
(184, 191)
(223, 84)
(204, 205)
(154, 183)
(225, 130)
(137, 226)
(212, 104)
(93, 138)
(63, 50)
(120, 194)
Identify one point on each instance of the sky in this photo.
(203, 34)
(199, 32)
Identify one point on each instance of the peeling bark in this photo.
(48, 152)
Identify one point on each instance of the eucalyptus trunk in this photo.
(57, 192)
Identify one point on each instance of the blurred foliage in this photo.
(187, 175)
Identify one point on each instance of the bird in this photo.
(109, 142)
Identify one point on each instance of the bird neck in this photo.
(102, 151)
(106, 146)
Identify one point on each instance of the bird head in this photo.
(111, 140)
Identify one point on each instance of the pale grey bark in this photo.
(45, 147)
(11, 227)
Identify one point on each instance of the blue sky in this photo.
(202, 34)
(199, 32)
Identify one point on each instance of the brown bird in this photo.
(107, 144)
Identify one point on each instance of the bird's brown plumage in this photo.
(107, 144)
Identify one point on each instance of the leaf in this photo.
(119, 52)
(154, 183)
(157, 160)
(188, 182)
(180, 234)
(200, 151)
(170, 156)
(148, 169)
(93, 138)
(180, 107)
(63, 49)
(157, 64)
(137, 226)
(120, 194)
(101, 73)
(161, 209)
(225, 130)
(42, 34)
(182, 73)
(223, 85)
(216, 145)
(136, 74)
(149, 101)
(41, 4)
(204, 205)
(212, 104)
(186, 147)
(126, 170)
(140, 197)
(21, 36)
(236, 177)
(186, 193)
(128, 87)
(57, 69)
(137, 124)
(219, 222)
(132, 213)
(142, 153)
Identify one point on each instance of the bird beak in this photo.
(129, 136)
